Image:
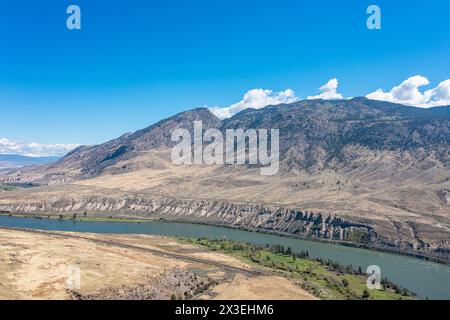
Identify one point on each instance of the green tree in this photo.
(345, 282)
(366, 294)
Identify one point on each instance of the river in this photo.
(427, 279)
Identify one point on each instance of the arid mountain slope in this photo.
(358, 170)
(322, 134)
(89, 161)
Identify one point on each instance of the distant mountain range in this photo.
(14, 161)
(359, 171)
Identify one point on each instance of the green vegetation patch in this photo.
(7, 188)
(76, 217)
(322, 278)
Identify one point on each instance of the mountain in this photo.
(322, 134)
(90, 161)
(357, 171)
(314, 135)
(93, 160)
(14, 161)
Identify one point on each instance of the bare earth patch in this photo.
(261, 288)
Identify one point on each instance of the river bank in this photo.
(133, 219)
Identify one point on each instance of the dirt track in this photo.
(223, 266)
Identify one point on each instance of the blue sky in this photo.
(136, 62)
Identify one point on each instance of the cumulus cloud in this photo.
(329, 91)
(439, 96)
(33, 149)
(409, 93)
(256, 99)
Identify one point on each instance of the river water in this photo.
(427, 279)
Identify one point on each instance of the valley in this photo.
(359, 171)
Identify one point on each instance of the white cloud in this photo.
(257, 99)
(408, 93)
(439, 96)
(33, 149)
(329, 91)
(260, 98)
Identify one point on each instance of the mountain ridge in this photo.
(138, 141)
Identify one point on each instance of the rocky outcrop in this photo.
(272, 219)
